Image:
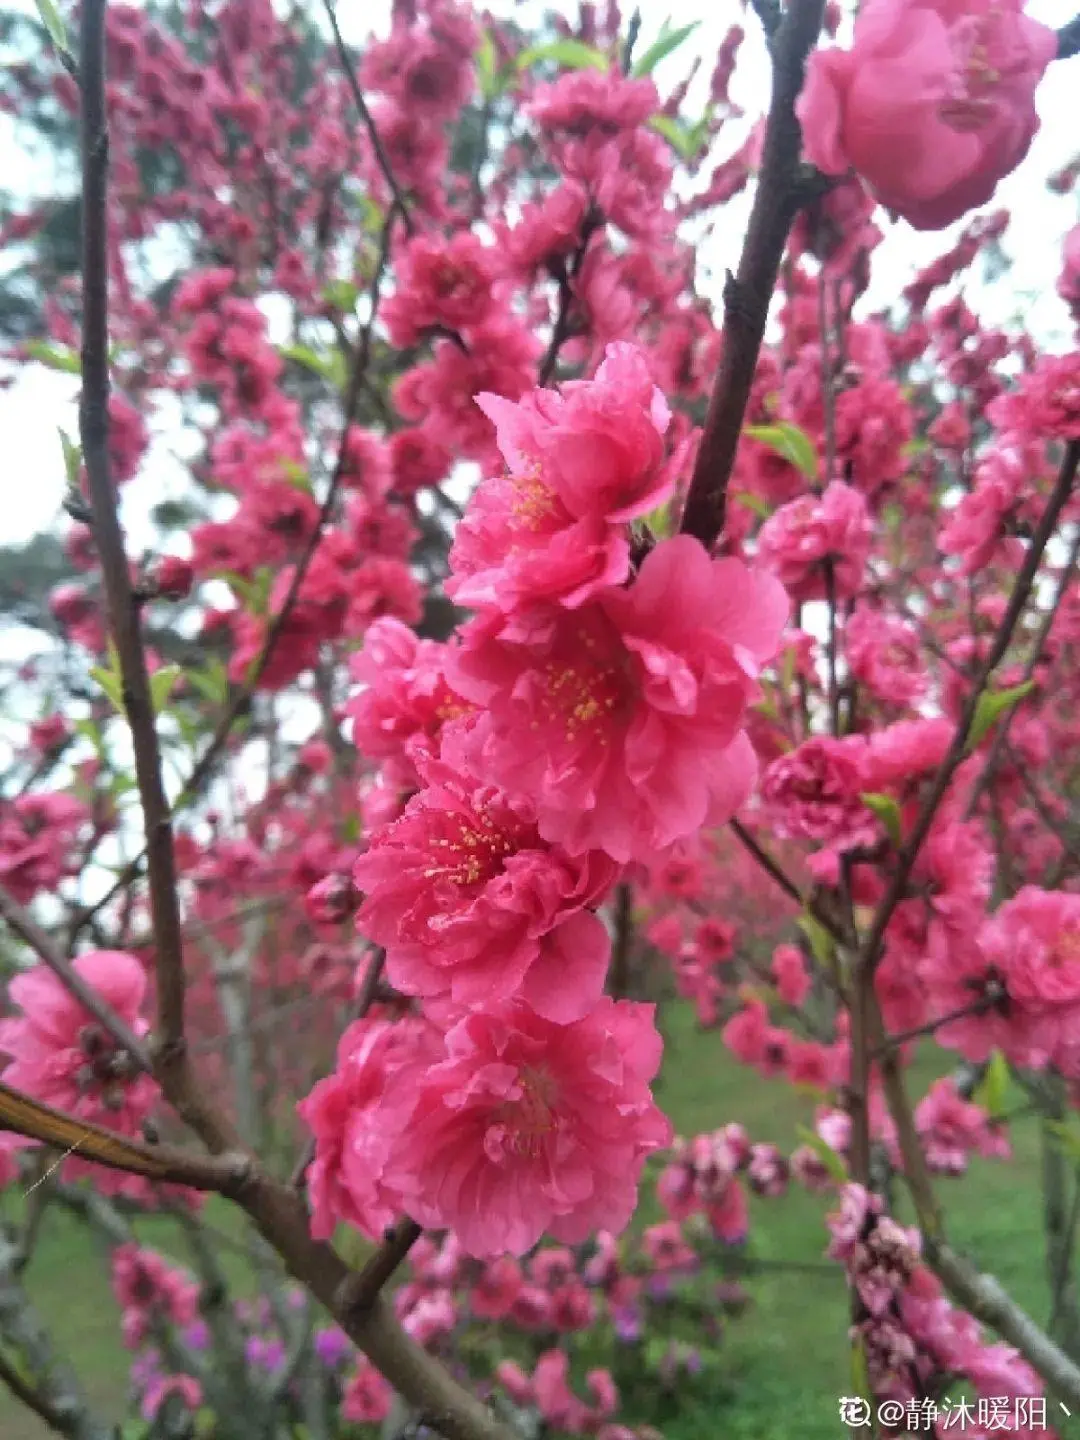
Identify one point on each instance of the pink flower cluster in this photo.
(150, 1293)
(914, 1341)
(59, 1054)
(589, 716)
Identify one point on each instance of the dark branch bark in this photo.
(748, 293)
(1068, 38)
(871, 948)
(377, 145)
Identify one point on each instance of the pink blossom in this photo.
(933, 104)
(157, 1392)
(789, 974)
(529, 1127)
(440, 282)
(499, 1285)
(797, 539)
(355, 1115)
(366, 1398)
(951, 1129)
(624, 719)
(470, 903)
(581, 463)
(404, 700)
(62, 1056)
(814, 793)
(584, 100)
(884, 654)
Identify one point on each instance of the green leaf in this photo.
(111, 683)
(56, 357)
(993, 703)
(330, 367)
(72, 459)
(661, 521)
(821, 945)
(212, 683)
(825, 1153)
(682, 140)
(491, 83)
(666, 42)
(297, 476)
(53, 22)
(888, 812)
(789, 441)
(570, 54)
(161, 686)
(1065, 1137)
(754, 503)
(342, 294)
(993, 1089)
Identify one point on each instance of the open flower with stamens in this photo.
(581, 463)
(623, 721)
(529, 1127)
(471, 903)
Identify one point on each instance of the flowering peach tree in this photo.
(521, 642)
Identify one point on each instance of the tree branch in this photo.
(748, 293)
(871, 947)
(1068, 38)
(369, 123)
(27, 928)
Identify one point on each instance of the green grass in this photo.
(784, 1362)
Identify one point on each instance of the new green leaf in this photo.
(888, 812)
(992, 704)
(56, 357)
(662, 46)
(789, 441)
(53, 22)
(570, 54)
(161, 685)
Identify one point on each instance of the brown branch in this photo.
(222, 1174)
(622, 949)
(361, 1287)
(242, 699)
(1068, 40)
(171, 1065)
(871, 948)
(984, 1297)
(997, 746)
(369, 123)
(27, 928)
(748, 293)
(63, 1421)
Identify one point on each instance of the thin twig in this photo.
(871, 948)
(27, 928)
(369, 123)
(1068, 38)
(997, 745)
(748, 293)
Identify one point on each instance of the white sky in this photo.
(31, 469)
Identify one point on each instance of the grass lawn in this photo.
(786, 1359)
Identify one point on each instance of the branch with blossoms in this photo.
(587, 741)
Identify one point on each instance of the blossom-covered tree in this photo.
(528, 643)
